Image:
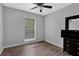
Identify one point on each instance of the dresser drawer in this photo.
(71, 46)
(74, 53)
(72, 41)
(72, 50)
(76, 49)
(76, 43)
(68, 42)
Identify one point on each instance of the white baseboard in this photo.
(53, 43)
(31, 39)
(37, 40)
(1, 50)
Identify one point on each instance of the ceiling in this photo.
(28, 6)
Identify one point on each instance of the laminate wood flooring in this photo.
(33, 49)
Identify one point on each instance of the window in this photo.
(29, 28)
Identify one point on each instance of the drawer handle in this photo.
(67, 41)
(77, 48)
(78, 53)
(67, 45)
(77, 43)
(68, 49)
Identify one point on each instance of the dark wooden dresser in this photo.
(71, 41)
(70, 37)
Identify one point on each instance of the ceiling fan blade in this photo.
(39, 4)
(34, 7)
(46, 6)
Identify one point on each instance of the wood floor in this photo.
(33, 49)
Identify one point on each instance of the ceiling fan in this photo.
(41, 5)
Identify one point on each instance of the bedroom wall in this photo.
(14, 26)
(1, 24)
(54, 22)
(1, 28)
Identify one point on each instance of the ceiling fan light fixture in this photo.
(40, 10)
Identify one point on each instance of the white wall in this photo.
(1, 28)
(54, 22)
(1, 25)
(14, 26)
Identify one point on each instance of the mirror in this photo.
(74, 24)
